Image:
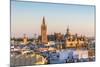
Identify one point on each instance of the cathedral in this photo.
(44, 38)
(75, 41)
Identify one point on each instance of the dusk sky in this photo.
(26, 17)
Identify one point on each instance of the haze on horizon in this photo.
(26, 18)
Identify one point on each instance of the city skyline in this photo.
(27, 19)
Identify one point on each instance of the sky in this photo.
(26, 18)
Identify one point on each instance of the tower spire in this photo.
(68, 29)
(44, 31)
(43, 20)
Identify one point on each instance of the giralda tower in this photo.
(44, 32)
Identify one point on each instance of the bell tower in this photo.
(44, 31)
